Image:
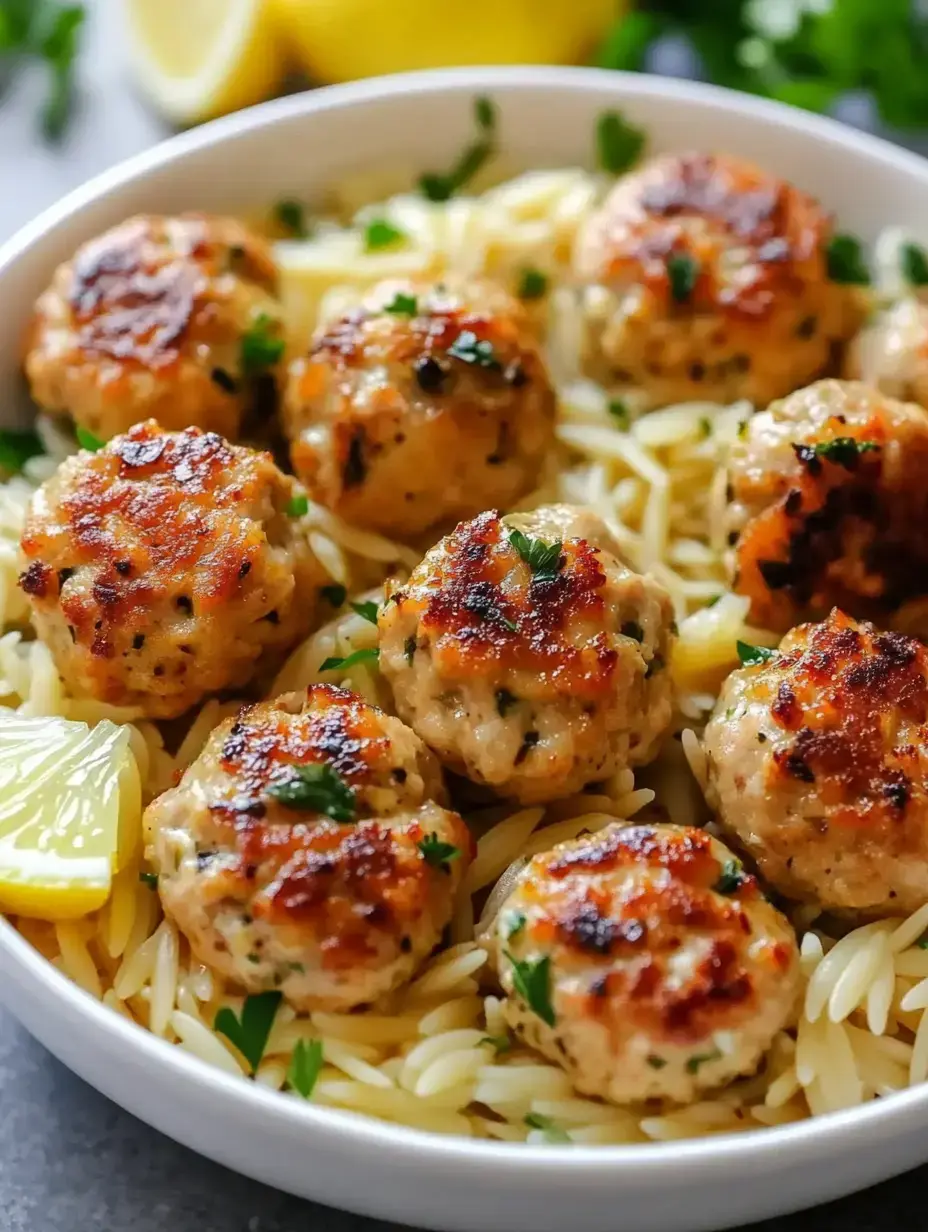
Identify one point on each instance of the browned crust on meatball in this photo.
(644, 923)
(488, 612)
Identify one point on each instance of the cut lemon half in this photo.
(70, 814)
(197, 59)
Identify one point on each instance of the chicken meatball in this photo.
(170, 318)
(818, 766)
(527, 656)
(706, 278)
(891, 352)
(829, 505)
(308, 849)
(165, 567)
(645, 961)
(426, 405)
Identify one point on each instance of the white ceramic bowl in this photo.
(297, 146)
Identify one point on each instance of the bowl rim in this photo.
(907, 1109)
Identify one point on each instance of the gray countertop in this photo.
(70, 1161)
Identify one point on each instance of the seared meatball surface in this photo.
(165, 567)
(148, 320)
(427, 404)
(527, 656)
(818, 766)
(891, 352)
(645, 961)
(829, 505)
(308, 849)
(706, 277)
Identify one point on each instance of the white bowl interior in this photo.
(298, 146)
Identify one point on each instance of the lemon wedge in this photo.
(70, 814)
(197, 59)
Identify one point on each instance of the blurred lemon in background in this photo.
(201, 58)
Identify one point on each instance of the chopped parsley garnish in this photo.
(57, 42)
(402, 305)
(682, 272)
(742, 429)
(922, 942)
(502, 1043)
(618, 143)
(705, 427)
(753, 656)
(713, 601)
(149, 879)
(317, 788)
(409, 649)
(370, 654)
(914, 262)
(473, 350)
(291, 215)
(845, 262)
(381, 234)
(438, 853)
(304, 1066)
(335, 594)
(731, 877)
(533, 284)
(367, 611)
(250, 1033)
(298, 507)
(544, 559)
(701, 1058)
(87, 440)
(632, 629)
(261, 347)
(655, 1061)
(514, 924)
(844, 450)
(619, 412)
(532, 981)
(551, 1130)
(505, 702)
(16, 448)
(437, 186)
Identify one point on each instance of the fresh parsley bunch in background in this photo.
(50, 32)
(805, 52)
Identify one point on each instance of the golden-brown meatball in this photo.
(527, 656)
(165, 567)
(169, 318)
(307, 849)
(829, 505)
(891, 352)
(706, 277)
(645, 962)
(426, 405)
(818, 767)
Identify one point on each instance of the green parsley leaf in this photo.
(16, 448)
(149, 879)
(87, 440)
(922, 942)
(532, 981)
(551, 1130)
(250, 1033)
(655, 1061)
(515, 922)
(713, 601)
(731, 877)
(694, 1062)
(618, 143)
(844, 258)
(753, 656)
(304, 1067)
(544, 559)
(914, 261)
(380, 234)
(437, 853)
(533, 284)
(502, 1043)
(632, 629)
(291, 215)
(298, 507)
(58, 46)
(619, 412)
(402, 305)
(317, 788)
(436, 186)
(335, 594)
(357, 656)
(682, 272)
(261, 348)
(705, 427)
(367, 610)
(844, 450)
(472, 350)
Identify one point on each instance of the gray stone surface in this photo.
(70, 1161)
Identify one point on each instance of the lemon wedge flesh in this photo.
(197, 59)
(70, 814)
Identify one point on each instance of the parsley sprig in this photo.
(261, 346)
(337, 663)
(367, 610)
(16, 448)
(317, 788)
(438, 853)
(618, 143)
(402, 305)
(473, 350)
(87, 440)
(250, 1032)
(731, 878)
(380, 234)
(49, 32)
(550, 1128)
(914, 262)
(544, 559)
(298, 506)
(845, 260)
(844, 450)
(438, 186)
(753, 656)
(532, 981)
(304, 1067)
(291, 215)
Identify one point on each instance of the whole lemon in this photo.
(338, 40)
